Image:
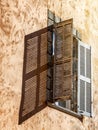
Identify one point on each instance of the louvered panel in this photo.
(67, 87)
(67, 83)
(67, 41)
(43, 55)
(31, 55)
(88, 63)
(67, 47)
(82, 60)
(58, 90)
(42, 88)
(30, 93)
(88, 97)
(67, 29)
(67, 69)
(82, 95)
(59, 43)
(63, 80)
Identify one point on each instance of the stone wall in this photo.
(19, 18)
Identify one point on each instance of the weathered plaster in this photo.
(19, 18)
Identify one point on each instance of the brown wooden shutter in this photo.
(34, 74)
(63, 60)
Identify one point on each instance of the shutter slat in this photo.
(31, 47)
(82, 95)
(88, 97)
(82, 60)
(88, 63)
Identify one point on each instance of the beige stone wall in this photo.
(21, 17)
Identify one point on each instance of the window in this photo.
(81, 98)
(56, 72)
(71, 71)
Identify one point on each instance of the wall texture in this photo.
(21, 17)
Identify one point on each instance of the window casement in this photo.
(56, 72)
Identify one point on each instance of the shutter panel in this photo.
(63, 60)
(84, 79)
(34, 74)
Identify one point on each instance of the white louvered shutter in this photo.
(84, 79)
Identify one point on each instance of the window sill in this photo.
(65, 110)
